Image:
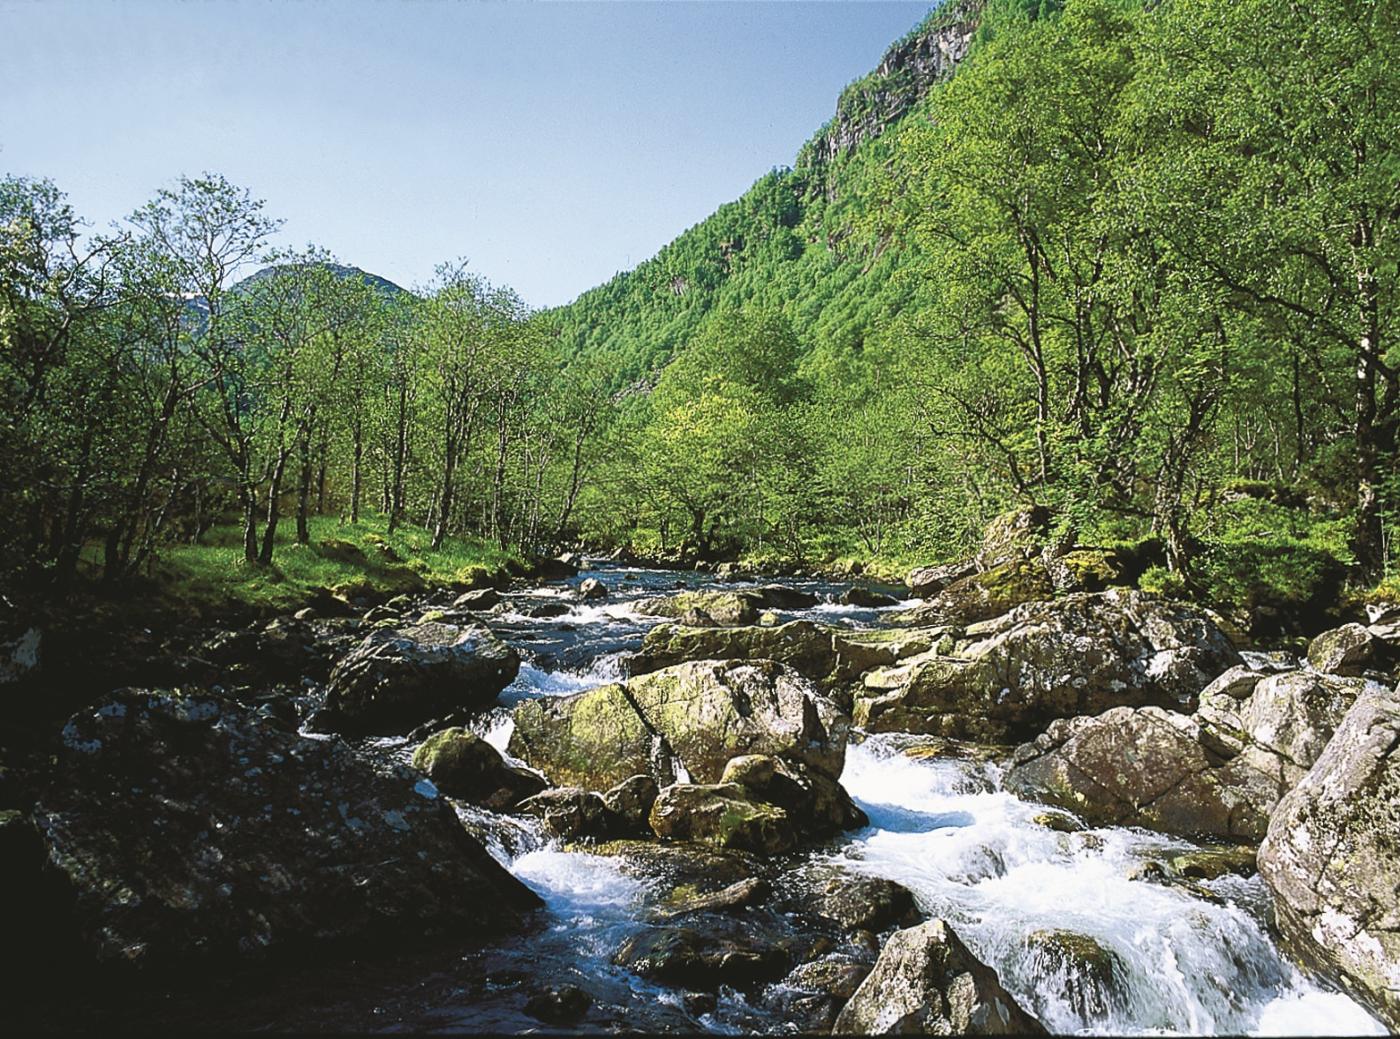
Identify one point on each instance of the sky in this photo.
(551, 145)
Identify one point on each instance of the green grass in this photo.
(344, 559)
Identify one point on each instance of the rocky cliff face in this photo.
(900, 81)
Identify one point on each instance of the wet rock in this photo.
(1143, 767)
(462, 764)
(689, 869)
(724, 608)
(282, 650)
(926, 982)
(836, 977)
(867, 598)
(721, 814)
(573, 814)
(1060, 822)
(546, 610)
(805, 647)
(1332, 857)
(810, 998)
(592, 590)
(559, 1006)
(1211, 863)
(1347, 650)
(398, 678)
(994, 592)
(188, 828)
(862, 903)
(1078, 655)
(475, 601)
(1088, 976)
(745, 893)
(827, 656)
(816, 805)
(926, 581)
(558, 568)
(781, 597)
(631, 802)
(696, 715)
(721, 954)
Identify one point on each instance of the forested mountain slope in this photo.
(805, 241)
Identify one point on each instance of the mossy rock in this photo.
(1090, 976)
(342, 551)
(721, 814)
(995, 592)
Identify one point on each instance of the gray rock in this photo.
(188, 828)
(1347, 650)
(721, 814)
(926, 581)
(573, 814)
(592, 590)
(1332, 857)
(926, 982)
(400, 677)
(868, 599)
(462, 764)
(1078, 655)
(480, 599)
(631, 802)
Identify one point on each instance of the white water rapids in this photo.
(973, 855)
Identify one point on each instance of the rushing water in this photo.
(1181, 963)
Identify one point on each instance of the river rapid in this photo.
(1185, 962)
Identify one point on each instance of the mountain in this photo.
(797, 240)
(383, 285)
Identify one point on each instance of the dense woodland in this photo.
(1134, 263)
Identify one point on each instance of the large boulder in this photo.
(1332, 857)
(1143, 767)
(991, 593)
(188, 828)
(1078, 655)
(400, 677)
(464, 765)
(1347, 650)
(925, 581)
(723, 608)
(1017, 534)
(684, 720)
(722, 814)
(1218, 773)
(926, 982)
(828, 656)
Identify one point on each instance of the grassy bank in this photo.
(342, 559)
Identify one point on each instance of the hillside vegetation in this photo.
(1132, 264)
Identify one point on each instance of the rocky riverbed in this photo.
(647, 800)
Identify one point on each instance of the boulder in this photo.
(782, 597)
(925, 581)
(862, 903)
(740, 895)
(721, 954)
(802, 645)
(993, 592)
(1144, 767)
(1080, 654)
(480, 599)
(399, 677)
(462, 764)
(1332, 857)
(1347, 650)
(592, 590)
(573, 814)
(867, 599)
(631, 802)
(1088, 976)
(1219, 772)
(723, 608)
(188, 828)
(816, 804)
(828, 656)
(723, 815)
(1017, 534)
(926, 982)
(692, 717)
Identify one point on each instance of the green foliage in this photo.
(358, 559)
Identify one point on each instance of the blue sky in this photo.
(552, 145)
